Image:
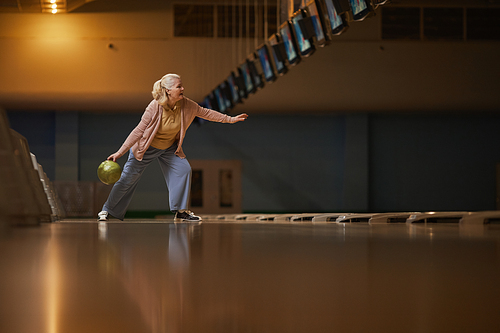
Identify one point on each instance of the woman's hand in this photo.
(114, 157)
(240, 117)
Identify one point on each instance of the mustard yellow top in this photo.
(170, 126)
(143, 134)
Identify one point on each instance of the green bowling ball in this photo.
(109, 172)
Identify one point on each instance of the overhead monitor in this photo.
(207, 103)
(255, 71)
(303, 31)
(315, 12)
(233, 88)
(240, 82)
(360, 9)
(291, 50)
(266, 63)
(279, 54)
(222, 107)
(226, 94)
(247, 79)
(335, 18)
(210, 101)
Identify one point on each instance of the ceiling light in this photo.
(54, 6)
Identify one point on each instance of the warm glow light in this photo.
(53, 6)
(53, 286)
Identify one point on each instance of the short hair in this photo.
(166, 82)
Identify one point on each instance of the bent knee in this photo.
(179, 167)
(185, 169)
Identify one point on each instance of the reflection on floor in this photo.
(249, 276)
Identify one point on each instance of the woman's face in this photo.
(176, 92)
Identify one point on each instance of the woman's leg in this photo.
(177, 174)
(123, 190)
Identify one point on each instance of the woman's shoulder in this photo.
(153, 106)
(153, 103)
(151, 111)
(189, 102)
(189, 105)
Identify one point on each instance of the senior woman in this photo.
(159, 136)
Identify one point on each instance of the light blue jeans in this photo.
(176, 171)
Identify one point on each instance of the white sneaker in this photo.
(103, 216)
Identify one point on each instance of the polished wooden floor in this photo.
(158, 276)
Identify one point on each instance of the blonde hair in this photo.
(159, 87)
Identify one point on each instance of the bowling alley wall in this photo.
(363, 124)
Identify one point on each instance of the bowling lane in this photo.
(157, 276)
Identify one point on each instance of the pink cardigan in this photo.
(142, 135)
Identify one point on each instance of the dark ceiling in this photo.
(94, 6)
(84, 6)
(102, 6)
